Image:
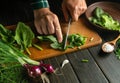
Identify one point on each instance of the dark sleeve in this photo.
(36, 4)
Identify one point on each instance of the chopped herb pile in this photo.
(105, 20)
(74, 40)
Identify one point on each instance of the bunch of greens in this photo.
(105, 20)
(6, 35)
(13, 61)
(73, 40)
(22, 37)
(10, 73)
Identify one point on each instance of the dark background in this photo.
(13, 11)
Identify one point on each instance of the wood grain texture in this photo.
(108, 63)
(87, 72)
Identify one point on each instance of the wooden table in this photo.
(101, 68)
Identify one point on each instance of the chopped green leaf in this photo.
(105, 20)
(84, 60)
(74, 40)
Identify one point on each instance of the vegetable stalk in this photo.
(33, 67)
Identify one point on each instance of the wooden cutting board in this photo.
(81, 27)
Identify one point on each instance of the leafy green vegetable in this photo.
(6, 35)
(11, 59)
(54, 43)
(10, 67)
(57, 45)
(98, 12)
(10, 73)
(102, 18)
(49, 38)
(24, 36)
(74, 40)
(38, 47)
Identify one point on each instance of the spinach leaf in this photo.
(105, 20)
(57, 45)
(49, 38)
(6, 35)
(73, 40)
(76, 40)
(24, 36)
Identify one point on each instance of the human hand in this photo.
(74, 7)
(47, 22)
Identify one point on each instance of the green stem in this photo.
(38, 47)
(28, 51)
(30, 61)
(21, 60)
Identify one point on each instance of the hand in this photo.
(47, 23)
(74, 7)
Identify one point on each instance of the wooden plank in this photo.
(108, 63)
(86, 72)
(67, 73)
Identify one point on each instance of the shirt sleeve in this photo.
(36, 4)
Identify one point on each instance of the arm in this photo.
(46, 22)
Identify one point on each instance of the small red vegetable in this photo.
(33, 70)
(48, 67)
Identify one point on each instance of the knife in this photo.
(67, 33)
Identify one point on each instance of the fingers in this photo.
(75, 7)
(49, 25)
(77, 11)
(58, 31)
(74, 14)
(44, 29)
(38, 28)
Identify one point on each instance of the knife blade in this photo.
(67, 33)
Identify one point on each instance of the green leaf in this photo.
(6, 35)
(105, 20)
(74, 40)
(24, 35)
(13, 73)
(49, 38)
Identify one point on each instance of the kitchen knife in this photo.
(67, 33)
